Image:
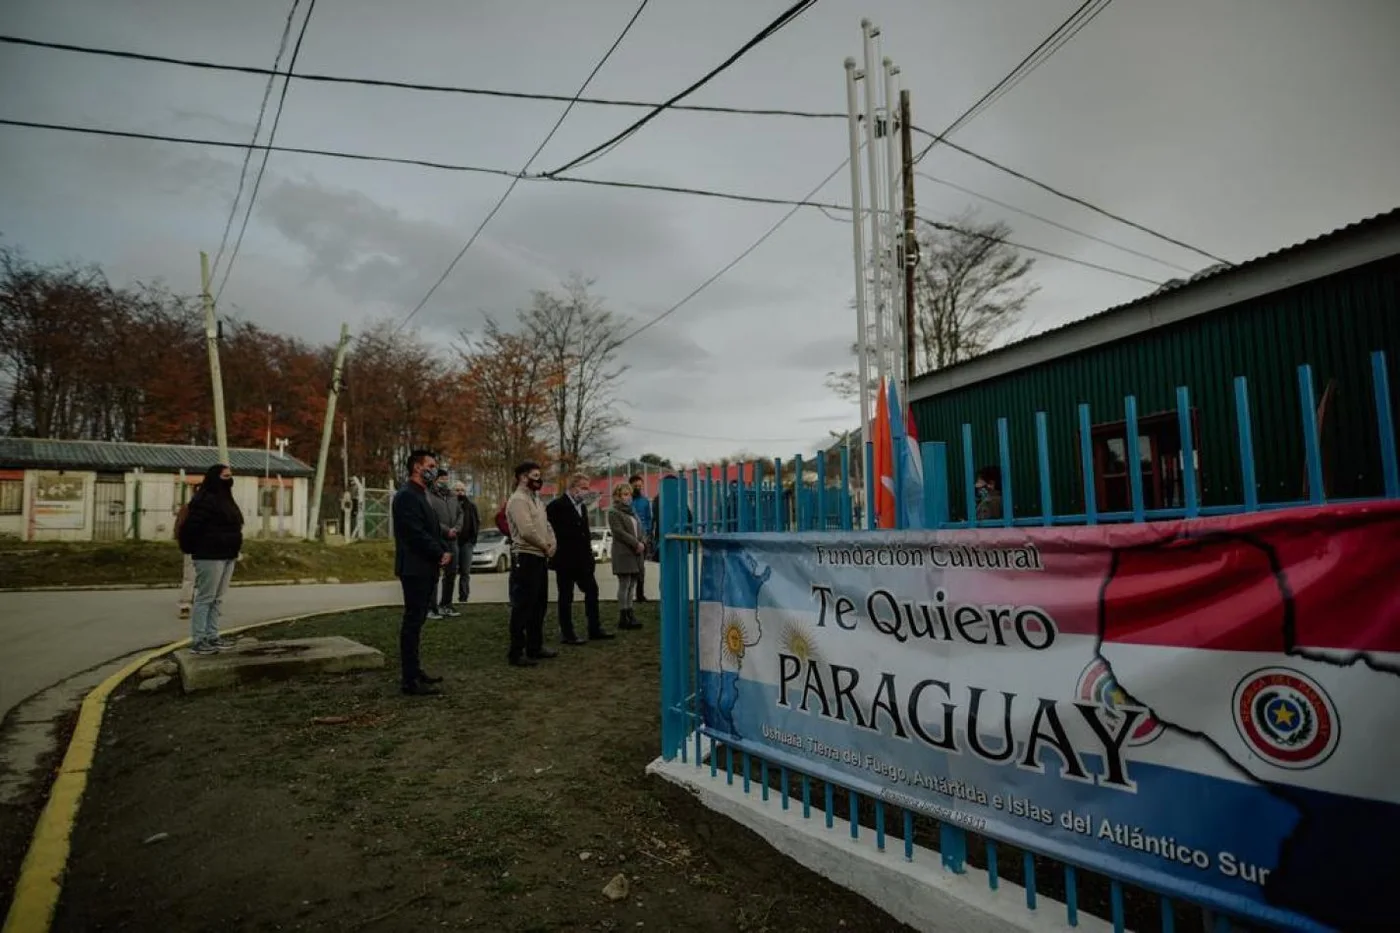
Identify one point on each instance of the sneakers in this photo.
(204, 648)
(434, 614)
(224, 644)
(447, 612)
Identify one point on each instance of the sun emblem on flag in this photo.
(1286, 718)
(737, 636)
(799, 643)
(1097, 685)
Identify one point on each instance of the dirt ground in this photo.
(506, 804)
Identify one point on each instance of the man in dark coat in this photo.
(419, 556)
(573, 561)
(466, 542)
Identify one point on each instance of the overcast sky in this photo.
(1240, 126)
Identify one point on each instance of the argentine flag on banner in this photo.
(905, 444)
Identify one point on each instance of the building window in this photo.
(269, 500)
(1158, 450)
(11, 497)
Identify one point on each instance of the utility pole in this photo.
(326, 432)
(911, 243)
(345, 450)
(211, 339)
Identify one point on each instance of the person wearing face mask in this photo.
(574, 563)
(466, 542)
(420, 553)
(212, 535)
(988, 487)
(449, 516)
(532, 544)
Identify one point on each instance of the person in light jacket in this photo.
(627, 550)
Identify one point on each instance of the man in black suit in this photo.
(419, 556)
(573, 562)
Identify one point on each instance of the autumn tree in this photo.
(578, 338)
(506, 388)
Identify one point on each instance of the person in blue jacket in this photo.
(641, 508)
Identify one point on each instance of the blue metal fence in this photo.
(700, 506)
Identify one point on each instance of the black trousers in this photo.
(417, 600)
(529, 601)
(642, 580)
(587, 584)
(464, 570)
(448, 576)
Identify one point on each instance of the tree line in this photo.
(81, 358)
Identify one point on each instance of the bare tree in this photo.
(578, 339)
(970, 289)
(506, 395)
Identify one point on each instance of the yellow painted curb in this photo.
(41, 875)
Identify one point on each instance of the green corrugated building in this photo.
(1329, 302)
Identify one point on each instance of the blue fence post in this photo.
(938, 485)
(1385, 425)
(1244, 428)
(1132, 453)
(929, 452)
(1004, 457)
(822, 523)
(870, 516)
(779, 513)
(846, 487)
(969, 476)
(1312, 444)
(741, 490)
(798, 487)
(1188, 452)
(1042, 454)
(897, 469)
(673, 622)
(1086, 464)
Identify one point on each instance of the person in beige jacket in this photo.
(532, 545)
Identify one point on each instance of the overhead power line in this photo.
(735, 261)
(1072, 198)
(522, 173)
(1054, 223)
(787, 16)
(257, 129)
(723, 440)
(412, 85)
(592, 101)
(262, 168)
(978, 235)
(1037, 56)
(562, 179)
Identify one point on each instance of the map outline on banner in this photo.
(1279, 898)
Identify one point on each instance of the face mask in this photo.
(228, 481)
(536, 484)
(429, 474)
(983, 492)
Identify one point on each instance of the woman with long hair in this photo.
(627, 550)
(213, 536)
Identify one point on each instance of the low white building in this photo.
(52, 490)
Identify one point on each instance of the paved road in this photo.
(48, 637)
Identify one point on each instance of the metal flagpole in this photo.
(872, 159)
(858, 236)
(892, 220)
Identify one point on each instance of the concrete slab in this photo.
(275, 660)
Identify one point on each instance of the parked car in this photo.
(602, 544)
(492, 551)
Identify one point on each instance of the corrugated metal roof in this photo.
(1177, 286)
(107, 456)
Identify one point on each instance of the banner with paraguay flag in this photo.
(1207, 708)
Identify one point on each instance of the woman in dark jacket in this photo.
(213, 536)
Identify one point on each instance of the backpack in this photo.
(502, 523)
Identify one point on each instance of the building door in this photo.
(109, 507)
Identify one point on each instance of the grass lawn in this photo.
(506, 804)
(88, 563)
